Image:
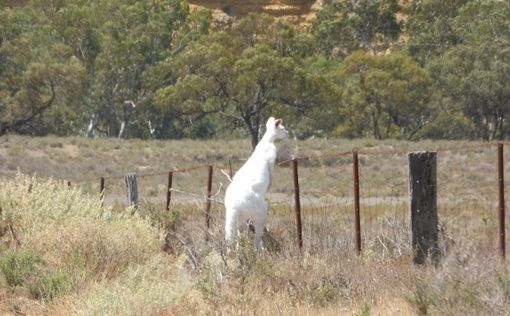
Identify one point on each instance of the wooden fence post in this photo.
(131, 189)
(357, 222)
(169, 190)
(299, 228)
(423, 206)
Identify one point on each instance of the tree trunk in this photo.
(375, 126)
(90, 129)
(253, 128)
(122, 129)
(254, 132)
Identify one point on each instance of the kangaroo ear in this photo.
(278, 122)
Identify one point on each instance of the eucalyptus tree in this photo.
(429, 27)
(383, 96)
(344, 26)
(243, 74)
(40, 78)
(474, 74)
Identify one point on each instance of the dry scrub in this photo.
(61, 252)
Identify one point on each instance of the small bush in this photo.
(365, 310)
(504, 282)
(323, 293)
(51, 284)
(17, 266)
(422, 298)
(166, 219)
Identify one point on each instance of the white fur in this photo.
(245, 196)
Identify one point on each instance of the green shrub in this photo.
(422, 297)
(17, 266)
(365, 310)
(325, 291)
(504, 282)
(51, 284)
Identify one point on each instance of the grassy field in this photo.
(61, 252)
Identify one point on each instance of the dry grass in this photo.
(83, 258)
(74, 159)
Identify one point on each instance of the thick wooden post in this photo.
(131, 189)
(357, 221)
(423, 205)
(169, 190)
(501, 200)
(297, 203)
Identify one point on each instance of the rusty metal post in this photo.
(208, 201)
(169, 190)
(357, 222)
(101, 190)
(230, 173)
(101, 186)
(501, 208)
(297, 203)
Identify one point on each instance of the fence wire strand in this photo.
(467, 194)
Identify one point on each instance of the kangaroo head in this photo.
(276, 127)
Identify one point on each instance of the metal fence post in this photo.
(208, 201)
(101, 186)
(357, 222)
(501, 206)
(297, 202)
(101, 191)
(230, 172)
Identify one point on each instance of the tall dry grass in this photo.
(71, 255)
(62, 252)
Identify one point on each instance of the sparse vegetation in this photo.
(70, 255)
(159, 69)
(16, 267)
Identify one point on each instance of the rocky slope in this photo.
(300, 11)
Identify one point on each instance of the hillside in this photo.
(296, 10)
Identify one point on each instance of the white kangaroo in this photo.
(245, 196)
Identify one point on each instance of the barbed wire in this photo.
(200, 197)
(362, 152)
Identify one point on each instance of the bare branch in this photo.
(21, 122)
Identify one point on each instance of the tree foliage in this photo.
(36, 80)
(243, 74)
(474, 74)
(153, 68)
(385, 95)
(345, 26)
(430, 27)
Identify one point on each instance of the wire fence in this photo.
(467, 198)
